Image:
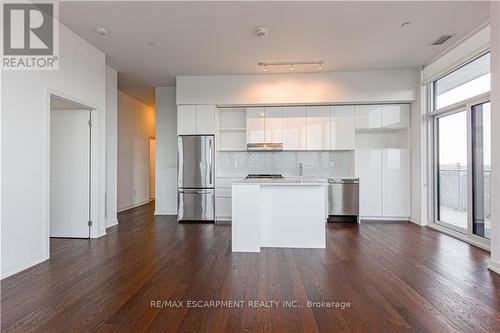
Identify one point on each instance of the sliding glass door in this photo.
(452, 170)
(461, 127)
(481, 169)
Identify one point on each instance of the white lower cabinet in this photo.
(396, 182)
(223, 209)
(369, 170)
(223, 197)
(384, 177)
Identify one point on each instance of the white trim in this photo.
(384, 219)
(415, 221)
(25, 264)
(133, 206)
(494, 266)
(165, 211)
(460, 236)
(111, 222)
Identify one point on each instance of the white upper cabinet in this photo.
(396, 115)
(186, 119)
(342, 131)
(255, 122)
(273, 125)
(368, 116)
(369, 170)
(205, 119)
(195, 119)
(294, 128)
(391, 116)
(396, 182)
(318, 127)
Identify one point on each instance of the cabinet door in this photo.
(318, 127)
(396, 115)
(255, 122)
(294, 128)
(368, 116)
(273, 125)
(186, 119)
(205, 119)
(396, 182)
(369, 170)
(342, 132)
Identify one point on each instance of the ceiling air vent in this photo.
(441, 40)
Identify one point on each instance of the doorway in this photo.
(152, 153)
(70, 169)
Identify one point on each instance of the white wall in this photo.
(136, 124)
(300, 88)
(25, 148)
(111, 145)
(495, 136)
(166, 152)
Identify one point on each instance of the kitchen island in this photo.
(288, 213)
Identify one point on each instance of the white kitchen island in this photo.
(279, 213)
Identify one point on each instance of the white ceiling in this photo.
(206, 38)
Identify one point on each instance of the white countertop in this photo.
(302, 181)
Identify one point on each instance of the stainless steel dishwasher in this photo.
(343, 197)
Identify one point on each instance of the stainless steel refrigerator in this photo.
(196, 178)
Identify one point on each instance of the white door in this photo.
(369, 170)
(318, 127)
(273, 125)
(294, 128)
(396, 115)
(205, 119)
(186, 119)
(255, 121)
(342, 132)
(69, 173)
(368, 116)
(396, 182)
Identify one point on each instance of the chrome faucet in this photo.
(301, 170)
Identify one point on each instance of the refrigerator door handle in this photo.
(210, 166)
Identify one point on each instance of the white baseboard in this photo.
(122, 209)
(25, 264)
(111, 223)
(165, 211)
(384, 219)
(494, 266)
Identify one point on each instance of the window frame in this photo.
(433, 87)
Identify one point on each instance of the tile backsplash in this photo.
(315, 163)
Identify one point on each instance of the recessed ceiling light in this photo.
(405, 24)
(102, 31)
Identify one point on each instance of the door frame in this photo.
(93, 162)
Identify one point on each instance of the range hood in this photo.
(265, 146)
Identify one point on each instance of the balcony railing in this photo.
(453, 190)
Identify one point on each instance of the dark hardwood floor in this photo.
(396, 276)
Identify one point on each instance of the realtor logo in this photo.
(29, 35)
